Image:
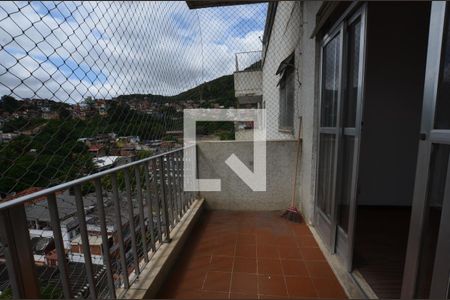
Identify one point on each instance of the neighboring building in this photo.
(106, 162)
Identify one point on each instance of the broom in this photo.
(292, 213)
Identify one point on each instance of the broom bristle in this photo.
(292, 214)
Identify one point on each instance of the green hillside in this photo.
(220, 90)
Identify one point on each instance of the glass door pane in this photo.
(330, 85)
(442, 121)
(428, 263)
(328, 119)
(350, 104)
(436, 186)
(327, 154)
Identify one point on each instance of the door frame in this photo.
(333, 234)
(428, 137)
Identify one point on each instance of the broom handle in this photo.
(294, 182)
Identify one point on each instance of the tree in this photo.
(9, 103)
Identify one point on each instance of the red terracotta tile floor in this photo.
(238, 255)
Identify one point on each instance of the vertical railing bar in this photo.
(183, 196)
(20, 264)
(158, 209)
(190, 194)
(59, 245)
(131, 221)
(196, 195)
(170, 183)
(177, 186)
(150, 206)
(118, 218)
(85, 242)
(164, 199)
(180, 191)
(104, 234)
(141, 211)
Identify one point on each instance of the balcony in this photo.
(171, 243)
(248, 78)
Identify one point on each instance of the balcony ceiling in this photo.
(204, 4)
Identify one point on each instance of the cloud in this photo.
(70, 50)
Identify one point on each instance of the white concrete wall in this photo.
(248, 83)
(283, 40)
(235, 194)
(293, 25)
(308, 103)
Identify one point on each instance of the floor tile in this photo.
(223, 259)
(244, 283)
(243, 296)
(329, 288)
(302, 230)
(319, 269)
(213, 295)
(307, 241)
(269, 266)
(293, 267)
(244, 265)
(198, 263)
(266, 251)
(221, 263)
(289, 252)
(246, 251)
(187, 280)
(217, 281)
(300, 287)
(312, 254)
(273, 285)
(225, 250)
(288, 241)
(246, 239)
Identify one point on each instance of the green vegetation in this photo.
(224, 130)
(53, 155)
(219, 90)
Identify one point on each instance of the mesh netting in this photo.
(94, 79)
(86, 86)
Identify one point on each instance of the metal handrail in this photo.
(252, 60)
(87, 178)
(159, 186)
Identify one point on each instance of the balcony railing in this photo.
(120, 218)
(248, 61)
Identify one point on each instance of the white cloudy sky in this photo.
(70, 50)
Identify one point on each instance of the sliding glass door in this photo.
(427, 270)
(342, 53)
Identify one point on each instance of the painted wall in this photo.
(293, 25)
(235, 194)
(308, 105)
(248, 83)
(283, 40)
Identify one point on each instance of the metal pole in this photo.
(131, 221)
(170, 184)
(104, 233)
(15, 238)
(118, 218)
(85, 242)
(164, 200)
(59, 245)
(150, 206)
(158, 209)
(141, 212)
